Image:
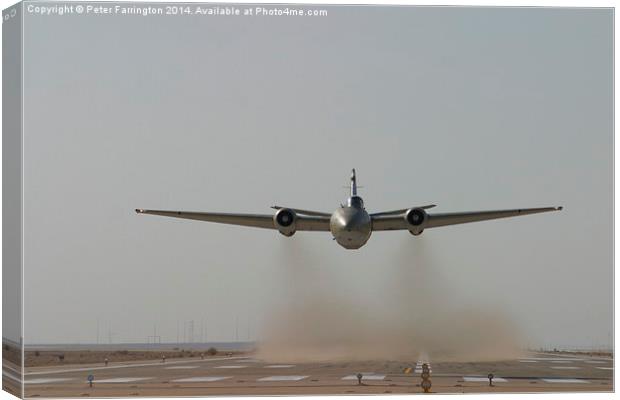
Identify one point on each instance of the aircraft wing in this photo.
(400, 211)
(305, 212)
(387, 222)
(304, 222)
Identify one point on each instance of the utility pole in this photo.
(156, 339)
(191, 331)
(202, 331)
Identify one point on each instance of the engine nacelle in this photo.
(285, 221)
(416, 219)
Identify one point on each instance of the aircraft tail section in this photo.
(353, 183)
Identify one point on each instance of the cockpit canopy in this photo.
(355, 201)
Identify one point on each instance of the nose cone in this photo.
(350, 227)
(342, 219)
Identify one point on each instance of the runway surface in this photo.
(534, 372)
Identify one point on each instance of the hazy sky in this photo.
(466, 108)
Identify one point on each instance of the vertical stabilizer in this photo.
(353, 183)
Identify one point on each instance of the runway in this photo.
(534, 372)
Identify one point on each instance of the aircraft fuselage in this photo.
(351, 225)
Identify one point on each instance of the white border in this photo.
(506, 3)
(446, 3)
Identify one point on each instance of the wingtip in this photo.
(559, 208)
(139, 211)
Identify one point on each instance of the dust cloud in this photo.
(410, 312)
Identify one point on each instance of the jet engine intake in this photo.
(416, 219)
(285, 220)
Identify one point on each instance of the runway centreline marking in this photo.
(596, 362)
(565, 380)
(423, 359)
(280, 366)
(565, 367)
(364, 377)
(607, 368)
(203, 379)
(120, 380)
(152, 364)
(282, 378)
(527, 361)
(231, 366)
(562, 362)
(37, 381)
(182, 367)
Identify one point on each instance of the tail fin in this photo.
(353, 183)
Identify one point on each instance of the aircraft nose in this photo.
(344, 223)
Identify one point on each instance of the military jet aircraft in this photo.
(351, 225)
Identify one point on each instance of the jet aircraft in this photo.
(351, 225)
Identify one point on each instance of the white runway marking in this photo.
(11, 376)
(280, 366)
(527, 361)
(11, 368)
(120, 380)
(365, 377)
(565, 367)
(596, 362)
(420, 363)
(282, 378)
(47, 380)
(562, 362)
(203, 379)
(567, 380)
(605, 368)
(150, 364)
(482, 379)
(551, 359)
(231, 366)
(182, 367)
